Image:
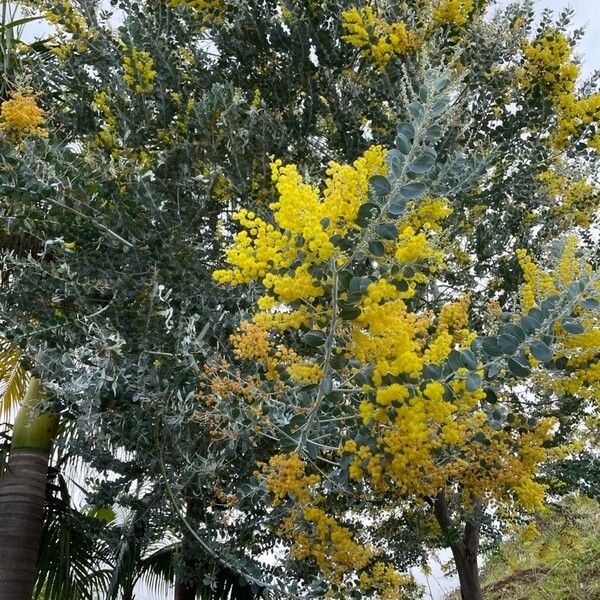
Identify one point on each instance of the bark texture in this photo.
(22, 500)
(465, 558)
(23, 495)
(465, 551)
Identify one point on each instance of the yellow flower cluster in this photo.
(64, 15)
(330, 545)
(102, 104)
(252, 343)
(529, 533)
(336, 554)
(303, 371)
(576, 201)
(208, 11)
(21, 116)
(378, 40)
(218, 381)
(257, 249)
(384, 580)
(427, 214)
(107, 136)
(321, 537)
(580, 350)
(456, 12)
(299, 209)
(414, 247)
(427, 441)
(538, 283)
(530, 494)
(387, 336)
(439, 348)
(262, 249)
(139, 71)
(453, 319)
(286, 478)
(576, 114)
(511, 462)
(549, 63)
(568, 268)
(346, 188)
(380, 291)
(549, 68)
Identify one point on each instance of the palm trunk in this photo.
(464, 551)
(23, 496)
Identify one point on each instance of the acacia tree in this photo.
(161, 127)
(392, 399)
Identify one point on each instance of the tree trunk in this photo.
(468, 572)
(464, 551)
(184, 588)
(184, 591)
(23, 496)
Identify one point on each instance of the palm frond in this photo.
(72, 563)
(123, 571)
(157, 569)
(13, 378)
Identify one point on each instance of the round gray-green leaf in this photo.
(422, 163)
(380, 185)
(541, 351)
(387, 231)
(314, 338)
(519, 365)
(473, 382)
(403, 144)
(376, 248)
(411, 191)
(366, 213)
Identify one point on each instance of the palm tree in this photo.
(73, 561)
(48, 549)
(24, 483)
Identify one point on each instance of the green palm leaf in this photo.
(72, 564)
(157, 569)
(13, 378)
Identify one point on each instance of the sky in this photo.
(587, 14)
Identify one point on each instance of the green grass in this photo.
(562, 563)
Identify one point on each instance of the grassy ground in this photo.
(562, 563)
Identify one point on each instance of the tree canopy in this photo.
(405, 196)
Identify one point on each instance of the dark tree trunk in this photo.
(186, 589)
(183, 591)
(468, 571)
(23, 497)
(465, 551)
